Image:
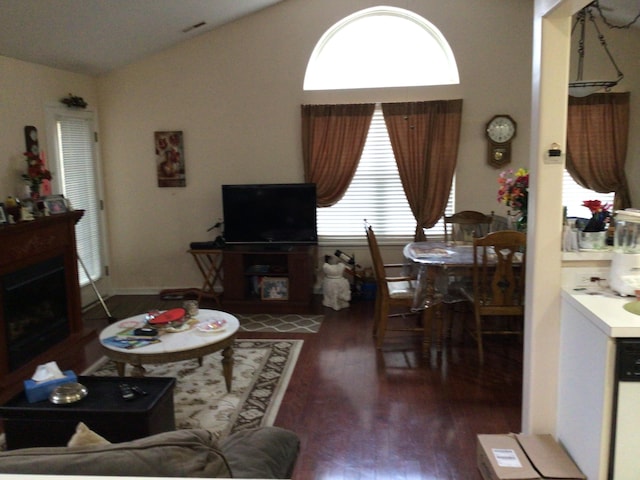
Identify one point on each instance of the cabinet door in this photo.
(299, 276)
(234, 278)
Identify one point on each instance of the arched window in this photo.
(375, 48)
(381, 47)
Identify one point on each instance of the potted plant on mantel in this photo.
(594, 234)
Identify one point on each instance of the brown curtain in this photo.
(597, 132)
(333, 138)
(424, 137)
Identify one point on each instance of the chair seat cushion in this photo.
(401, 289)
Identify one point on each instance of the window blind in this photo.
(78, 177)
(375, 194)
(573, 195)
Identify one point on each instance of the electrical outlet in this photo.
(591, 278)
(583, 280)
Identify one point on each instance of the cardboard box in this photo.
(524, 457)
(38, 391)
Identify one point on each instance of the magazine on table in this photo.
(132, 333)
(129, 342)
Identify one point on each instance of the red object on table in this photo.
(169, 316)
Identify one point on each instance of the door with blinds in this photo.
(72, 141)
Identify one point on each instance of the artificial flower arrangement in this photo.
(36, 172)
(514, 189)
(600, 215)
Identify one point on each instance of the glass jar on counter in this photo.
(627, 231)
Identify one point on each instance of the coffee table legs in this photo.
(227, 367)
(137, 370)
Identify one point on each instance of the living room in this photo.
(235, 93)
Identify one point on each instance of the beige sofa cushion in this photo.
(180, 453)
(263, 452)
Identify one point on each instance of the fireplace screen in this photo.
(35, 310)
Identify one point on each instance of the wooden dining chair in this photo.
(498, 284)
(394, 295)
(466, 225)
(462, 227)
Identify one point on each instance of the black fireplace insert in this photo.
(35, 310)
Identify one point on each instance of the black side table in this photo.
(103, 410)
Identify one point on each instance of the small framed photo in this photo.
(55, 204)
(3, 215)
(275, 288)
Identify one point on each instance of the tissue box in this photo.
(38, 391)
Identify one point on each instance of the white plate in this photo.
(212, 325)
(130, 324)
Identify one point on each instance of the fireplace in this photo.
(35, 310)
(40, 311)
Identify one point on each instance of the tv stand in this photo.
(269, 280)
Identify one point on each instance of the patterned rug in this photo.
(283, 323)
(261, 373)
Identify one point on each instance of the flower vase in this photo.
(592, 240)
(521, 222)
(38, 205)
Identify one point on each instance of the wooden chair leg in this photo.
(382, 324)
(479, 337)
(376, 316)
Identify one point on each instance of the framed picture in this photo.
(275, 288)
(3, 215)
(55, 204)
(170, 159)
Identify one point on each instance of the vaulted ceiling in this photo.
(95, 36)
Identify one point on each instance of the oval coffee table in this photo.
(174, 347)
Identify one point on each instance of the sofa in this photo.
(264, 452)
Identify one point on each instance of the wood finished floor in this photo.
(363, 413)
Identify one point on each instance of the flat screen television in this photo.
(270, 214)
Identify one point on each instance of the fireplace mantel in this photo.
(26, 244)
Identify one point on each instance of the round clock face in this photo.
(501, 129)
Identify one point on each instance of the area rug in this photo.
(261, 372)
(282, 323)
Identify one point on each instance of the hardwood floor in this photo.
(363, 413)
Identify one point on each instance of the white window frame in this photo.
(382, 34)
(368, 49)
(87, 195)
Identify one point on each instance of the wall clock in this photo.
(501, 130)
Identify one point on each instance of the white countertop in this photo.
(605, 310)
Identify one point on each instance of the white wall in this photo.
(236, 95)
(25, 89)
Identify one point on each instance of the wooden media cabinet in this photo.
(263, 280)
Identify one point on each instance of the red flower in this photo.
(36, 171)
(514, 189)
(596, 206)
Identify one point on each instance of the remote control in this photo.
(126, 392)
(138, 390)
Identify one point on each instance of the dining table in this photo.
(442, 270)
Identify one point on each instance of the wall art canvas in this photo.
(170, 165)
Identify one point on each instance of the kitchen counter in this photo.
(605, 311)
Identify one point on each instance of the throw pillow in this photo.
(85, 436)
